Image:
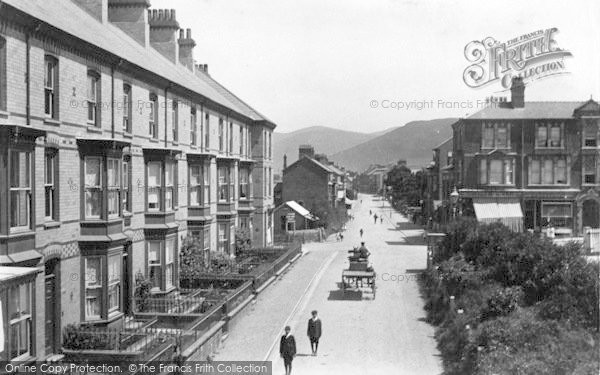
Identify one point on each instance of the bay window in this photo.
(497, 171)
(244, 187)
(557, 214)
(169, 183)
(169, 262)
(50, 179)
(206, 183)
(232, 239)
(2, 74)
(126, 184)
(231, 183)
(242, 138)
(206, 239)
(495, 135)
(20, 305)
(175, 120)
(93, 288)
(207, 131)
(223, 183)
(114, 283)
(51, 87)
(162, 252)
(193, 126)
(154, 263)
(20, 190)
(548, 171)
(114, 186)
(154, 185)
(590, 133)
(221, 135)
(195, 185)
(230, 136)
(93, 187)
(222, 236)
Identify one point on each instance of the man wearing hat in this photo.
(287, 350)
(314, 332)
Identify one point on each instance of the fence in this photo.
(303, 236)
(591, 239)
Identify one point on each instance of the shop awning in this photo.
(507, 212)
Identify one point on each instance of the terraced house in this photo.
(114, 146)
(531, 165)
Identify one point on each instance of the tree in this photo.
(406, 186)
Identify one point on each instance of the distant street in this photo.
(386, 335)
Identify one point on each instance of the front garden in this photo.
(512, 303)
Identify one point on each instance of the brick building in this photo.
(440, 179)
(114, 146)
(531, 165)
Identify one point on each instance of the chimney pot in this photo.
(161, 14)
(173, 14)
(180, 33)
(189, 33)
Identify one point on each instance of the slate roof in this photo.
(73, 20)
(531, 110)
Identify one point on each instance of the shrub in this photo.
(458, 232)
(502, 302)
(485, 242)
(457, 275)
(191, 258)
(143, 285)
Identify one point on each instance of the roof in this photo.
(336, 170)
(449, 140)
(531, 110)
(9, 273)
(68, 17)
(300, 210)
(314, 161)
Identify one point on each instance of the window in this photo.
(206, 177)
(50, 179)
(232, 239)
(242, 138)
(230, 135)
(590, 133)
(222, 237)
(51, 87)
(193, 126)
(93, 288)
(248, 143)
(497, 171)
(206, 239)
(557, 214)
(549, 134)
(154, 268)
(207, 131)
(169, 191)
(589, 169)
(127, 108)
(548, 171)
(114, 283)
(231, 183)
(244, 192)
(169, 257)
(126, 181)
(20, 190)
(2, 74)
(221, 135)
(175, 120)
(93, 98)
(114, 186)
(153, 116)
(154, 185)
(270, 149)
(195, 185)
(93, 187)
(19, 321)
(223, 175)
(495, 135)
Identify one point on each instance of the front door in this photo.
(52, 305)
(126, 279)
(591, 214)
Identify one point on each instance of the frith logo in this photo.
(531, 56)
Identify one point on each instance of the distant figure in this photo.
(370, 212)
(313, 331)
(361, 232)
(375, 217)
(341, 237)
(381, 219)
(287, 350)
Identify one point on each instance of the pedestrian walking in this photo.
(361, 232)
(370, 212)
(375, 217)
(341, 237)
(381, 219)
(313, 331)
(287, 349)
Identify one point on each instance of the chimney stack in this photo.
(97, 8)
(517, 92)
(163, 30)
(131, 16)
(306, 150)
(186, 49)
(284, 161)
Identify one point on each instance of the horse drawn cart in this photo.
(360, 275)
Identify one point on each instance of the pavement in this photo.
(361, 335)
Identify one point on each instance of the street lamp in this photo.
(454, 199)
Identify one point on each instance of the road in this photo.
(361, 335)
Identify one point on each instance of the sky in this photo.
(358, 65)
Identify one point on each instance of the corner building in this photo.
(114, 146)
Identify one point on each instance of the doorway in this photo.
(52, 305)
(591, 214)
(127, 279)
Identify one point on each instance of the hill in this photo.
(325, 140)
(412, 142)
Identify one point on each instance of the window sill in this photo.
(23, 360)
(20, 232)
(51, 224)
(127, 214)
(3, 114)
(51, 121)
(193, 147)
(157, 291)
(175, 143)
(154, 140)
(94, 129)
(111, 318)
(127, 134)
(547, 185)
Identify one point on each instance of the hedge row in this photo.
(512, 303)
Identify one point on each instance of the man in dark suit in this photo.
(287, 350)
(314, 332)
